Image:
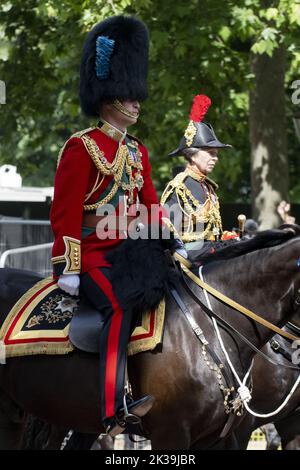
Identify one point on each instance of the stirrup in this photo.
(128, 418)
(115, 428)
(119, 424)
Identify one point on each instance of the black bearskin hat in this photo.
(114, 63)
(199, 134)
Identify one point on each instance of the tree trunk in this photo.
(269, 160)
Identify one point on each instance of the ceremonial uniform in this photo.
(194, 206)
(87, 178)
(104, 168)
(191, 196)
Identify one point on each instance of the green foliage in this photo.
(196, 47)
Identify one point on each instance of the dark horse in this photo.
(271, 384)
(189, 409)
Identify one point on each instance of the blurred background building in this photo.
(25, 232)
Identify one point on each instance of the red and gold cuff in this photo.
(70, 261)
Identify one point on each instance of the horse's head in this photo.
(284, 262)
(261, 274)
(296, 304)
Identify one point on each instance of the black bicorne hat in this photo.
(114, 63)
(199, 134)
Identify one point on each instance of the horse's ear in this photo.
(293, 228)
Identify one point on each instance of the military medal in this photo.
(139, 181)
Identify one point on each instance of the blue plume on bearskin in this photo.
(104, 50)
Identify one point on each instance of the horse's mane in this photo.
(264, 239)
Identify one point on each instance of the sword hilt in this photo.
(241, 221)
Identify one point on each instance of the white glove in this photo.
(69, 283)
(182, 252)
(181, 248)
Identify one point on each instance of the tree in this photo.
(269, 169)
(270, 26)
(43, 56)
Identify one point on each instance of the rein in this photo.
(199, 333)
(244, 395)
(219, 367)
(235, 305)
(182, 268)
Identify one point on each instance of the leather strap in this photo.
(91, 220)
(193, 324)
(277, 348)
(199, 333)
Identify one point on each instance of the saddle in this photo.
(85, 327)
(86, 324)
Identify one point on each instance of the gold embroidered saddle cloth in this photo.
(40, 323)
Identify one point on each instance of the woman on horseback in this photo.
(191, 196)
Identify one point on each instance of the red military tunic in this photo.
(78, 183)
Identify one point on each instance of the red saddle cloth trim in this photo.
(147, 334)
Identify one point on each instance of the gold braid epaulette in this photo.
(212, 183)
(174, 183)
(76, 134)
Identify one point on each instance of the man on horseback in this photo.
(99, 166)
(191, 195)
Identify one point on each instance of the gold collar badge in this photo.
(111, 131)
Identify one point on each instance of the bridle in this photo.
(235, 305)
(182, 265)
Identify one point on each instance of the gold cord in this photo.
(122, 160)
(123, 110)
(95, 187)
(207, 213)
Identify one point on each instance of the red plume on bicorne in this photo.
(200, 106)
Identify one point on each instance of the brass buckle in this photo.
(275, 345)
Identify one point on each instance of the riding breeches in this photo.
(114, 338)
